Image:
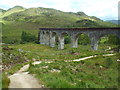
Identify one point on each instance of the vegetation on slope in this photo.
(15, 55)
(18, 19)
(11, 11)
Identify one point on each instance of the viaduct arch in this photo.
(47, 35)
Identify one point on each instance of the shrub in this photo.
(67, 40)
(110, 39)
(113, 40)
(27, 37)
(83, 40)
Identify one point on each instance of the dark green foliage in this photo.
(113, 40)
(110, 39)
(83, 39)
(27, 37)
(67, 40)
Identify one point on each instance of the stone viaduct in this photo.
(47, 35)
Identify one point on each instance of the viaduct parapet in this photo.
(47, 35)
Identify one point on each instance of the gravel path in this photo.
(22, 79)
(91, 57)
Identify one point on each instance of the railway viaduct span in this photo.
(47, 35)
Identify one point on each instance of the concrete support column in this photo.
(94, 43)
(47, 38)
(44, 38)
(61, 42)
(74, 42)
(52, 40)
(41, 37)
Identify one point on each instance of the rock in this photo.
(75, 53)
(7, 48)
(20, 50)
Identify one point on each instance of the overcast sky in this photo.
(104, 9)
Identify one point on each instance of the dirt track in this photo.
(22, 79)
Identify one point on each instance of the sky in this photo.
(103, 9)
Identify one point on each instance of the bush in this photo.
(110, 39)
(83, 40)
(27, 37)
(67, 40)
(113, 40)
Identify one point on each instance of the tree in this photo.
(27, 37)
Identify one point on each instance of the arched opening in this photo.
(83, 39)
(109, 42)
(80, 39)
(63, 39)
(42, 38)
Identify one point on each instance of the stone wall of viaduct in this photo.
(47, 35)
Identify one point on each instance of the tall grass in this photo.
(5, 81)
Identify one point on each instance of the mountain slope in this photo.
(13, 10)
(1, 12)
(18, 19)
(47, 17)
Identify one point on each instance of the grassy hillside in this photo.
(18, 19)
(12, 10)
(1, 12)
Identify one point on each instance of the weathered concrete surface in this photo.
(47, 35)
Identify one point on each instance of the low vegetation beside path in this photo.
(97, 72)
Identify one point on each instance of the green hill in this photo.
(18, 19)
(1, 12)
(12, 10)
